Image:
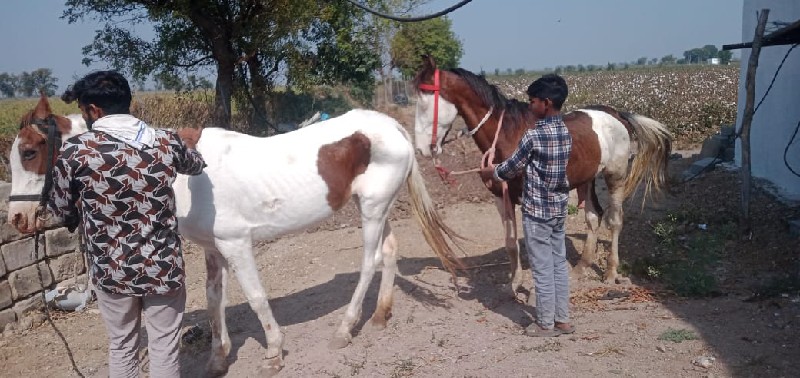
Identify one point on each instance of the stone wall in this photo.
(58, 260)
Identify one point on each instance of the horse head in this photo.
(435, 114)
(32, 155)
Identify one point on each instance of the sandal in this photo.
(564, 328)
(534, 330)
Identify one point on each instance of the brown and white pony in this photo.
(256, 189)
(601, 138)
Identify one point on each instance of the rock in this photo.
(704, 361)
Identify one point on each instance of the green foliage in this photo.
(250, 44)
(572, 209)
(433, 37)
(677, 335)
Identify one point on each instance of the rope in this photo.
(409, 19)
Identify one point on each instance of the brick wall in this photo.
(58, 260)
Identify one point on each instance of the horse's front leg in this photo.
(512, 248)
(239, 254)
(217, 278)
(372, 227)
(383, 311)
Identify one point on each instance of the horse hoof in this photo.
(272, 367)
(217, 369)
(339, 342)
(378, 323)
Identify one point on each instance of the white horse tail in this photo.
(654, 144)
(435, 231)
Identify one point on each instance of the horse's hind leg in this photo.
(374, 211)
(239, 253)
(217, 278)
(616, 188)
(512, 247)
(383, 311)
(593, 212)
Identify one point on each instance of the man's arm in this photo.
(64, 194)
(189, 160)
(515, 165)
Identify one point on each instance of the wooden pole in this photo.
(747, 120)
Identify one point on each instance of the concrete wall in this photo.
(778, 116)
(20, 288)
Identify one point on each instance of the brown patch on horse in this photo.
(614, 113)
(339, 163)
(585, 156)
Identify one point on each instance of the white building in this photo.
(779, 115)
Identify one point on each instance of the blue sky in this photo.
(531, 34)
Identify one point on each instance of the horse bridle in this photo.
(46, 126)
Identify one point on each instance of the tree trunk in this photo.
(224, 90)
(747, 120)
(259, 90)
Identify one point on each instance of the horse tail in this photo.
(433, 228)
(654, 145)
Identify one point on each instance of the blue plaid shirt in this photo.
(543, 153)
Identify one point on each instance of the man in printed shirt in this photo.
(542, 155)
(114, 183)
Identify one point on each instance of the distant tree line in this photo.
(28, 84)
(700, 55)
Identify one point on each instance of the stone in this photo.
(702, 165)
(20, 253)
(5, 295)
(66, 266)
(7, 317)
(25, 282)
(23, 307)
(713, 146)
(5, 191)
(7, 232)
(60, 241)
(2, 266)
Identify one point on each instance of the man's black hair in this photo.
(550, 86)
(108, 90)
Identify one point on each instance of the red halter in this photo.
(435, 88)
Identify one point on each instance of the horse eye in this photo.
(28, 154)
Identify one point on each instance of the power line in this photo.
(409, 19)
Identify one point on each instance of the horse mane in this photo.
(516, 111)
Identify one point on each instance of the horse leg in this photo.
(511, 245)
(373, 219)
(383, 311)
(593, 212)
(616, 188)
(217, 278)
(239, 253)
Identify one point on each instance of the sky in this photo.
(530, 34)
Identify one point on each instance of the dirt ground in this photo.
(310, 276)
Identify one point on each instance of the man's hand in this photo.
(487, 175)
(190, 136)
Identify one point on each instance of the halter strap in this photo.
(485, 118)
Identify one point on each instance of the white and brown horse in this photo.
(259, 188)
(601, 138)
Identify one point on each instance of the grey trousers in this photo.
(163, 315)
(547, 253)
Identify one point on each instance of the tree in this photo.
(668, 59)
(641, 61)
(724, 56)
(433, 37)
(8, 85)
(250, 44)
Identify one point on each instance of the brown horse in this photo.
(601, 138)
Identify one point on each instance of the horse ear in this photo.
(428, 63)
(42, 109)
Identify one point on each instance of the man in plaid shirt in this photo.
(542, 154)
